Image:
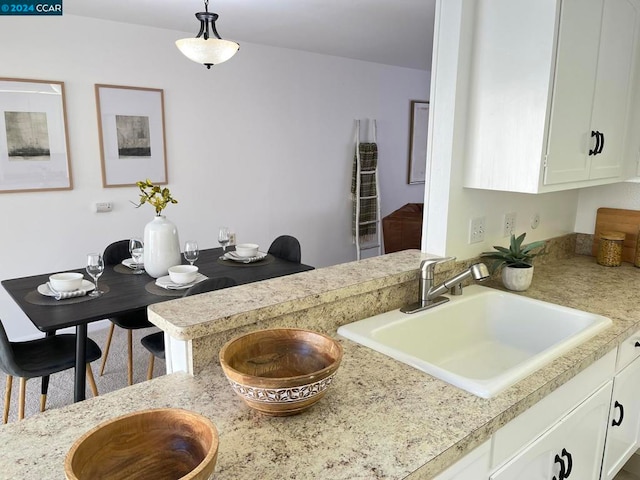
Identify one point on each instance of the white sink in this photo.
(482, 341)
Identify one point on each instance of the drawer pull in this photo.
(559, 461)
(565, 469)
(617, 423)
(596, 134)
(569, 462)
(637, 344)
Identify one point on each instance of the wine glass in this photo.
(95, 267)
(223, 237)
(136, 248)
(191, 251)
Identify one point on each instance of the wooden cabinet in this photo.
(624, 417)
(570, 449)
(549, 93)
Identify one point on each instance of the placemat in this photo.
(37, 299)
(122, 269)
(266, 260)
(151, 287)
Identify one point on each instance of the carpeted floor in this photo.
(115, 373)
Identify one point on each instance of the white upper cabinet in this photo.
(549, 93)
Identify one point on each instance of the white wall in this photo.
(447, 230)
(262, 143)
(618, 195)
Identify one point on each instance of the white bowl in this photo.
(183, 274)
(247, 249)
(66, 282)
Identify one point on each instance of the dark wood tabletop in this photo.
(125, 292)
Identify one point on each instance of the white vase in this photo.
(161, 246)
(517, 279)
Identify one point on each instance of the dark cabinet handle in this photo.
(569, 462)
(601, 142)
(565, 469)
(596, 134)
(637, 344)
(617, 423)
(559, 461)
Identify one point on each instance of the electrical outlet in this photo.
(104, 207)
(535, 221)
(509, 225)
(477, 227)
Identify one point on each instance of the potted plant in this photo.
(161, 242)
(515, 261)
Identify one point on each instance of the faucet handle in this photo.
(427, 266)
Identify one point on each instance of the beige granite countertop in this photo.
(199, 315)
(380, 418)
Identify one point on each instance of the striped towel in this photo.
(368, 207)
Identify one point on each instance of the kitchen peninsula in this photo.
(379, 419)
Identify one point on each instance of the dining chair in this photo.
(113, 255)
(155, 342)
(40, 358)
(287, 248)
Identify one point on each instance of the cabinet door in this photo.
(612, 97)
(624, 420)
(474, 466)
(569, 141)
(573, 446)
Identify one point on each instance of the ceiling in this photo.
(391, 32)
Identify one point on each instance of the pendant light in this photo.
(204, 49)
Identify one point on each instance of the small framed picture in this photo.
(34, 152)
(132, 140)
(419, 126)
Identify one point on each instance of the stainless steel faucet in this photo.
(430, 296)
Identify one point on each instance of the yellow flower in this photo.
(154, 195)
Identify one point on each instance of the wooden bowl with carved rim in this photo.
(159, 444)
(281, 371)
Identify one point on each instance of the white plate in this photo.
(46, 291)
(166, 283)
(129, 263)
(237, 258)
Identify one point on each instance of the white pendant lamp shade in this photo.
(207, 52)
(207, 48)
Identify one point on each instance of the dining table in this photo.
(125, 292)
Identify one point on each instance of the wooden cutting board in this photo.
(618, 220)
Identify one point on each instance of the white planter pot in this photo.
(161, 247)
(517, 279)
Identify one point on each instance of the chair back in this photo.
(287, 248)
(7, 357)
(210, 284)
(116, 252)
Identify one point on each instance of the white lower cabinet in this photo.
(586, 429)
(571, 449)
(473, 466)
(624, 417)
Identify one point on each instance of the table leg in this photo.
(81, 360)
(44, 383)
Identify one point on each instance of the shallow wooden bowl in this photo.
(162, 444)
(281, 371)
